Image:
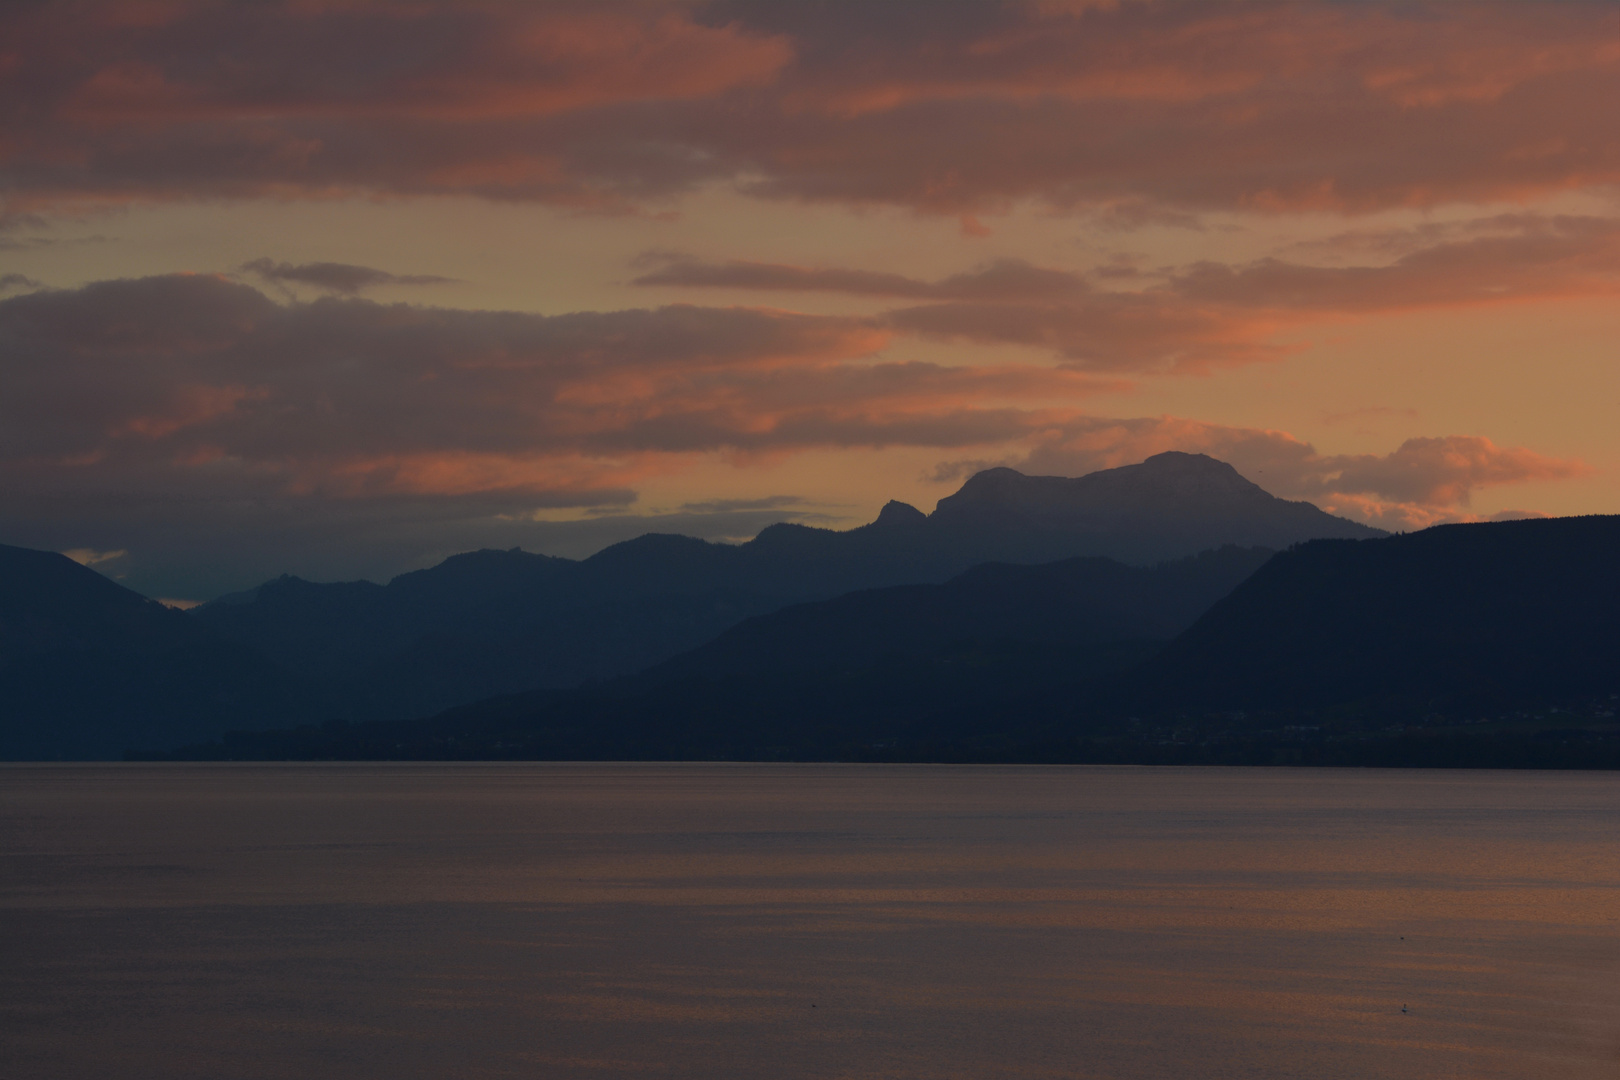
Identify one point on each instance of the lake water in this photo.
(560, 921)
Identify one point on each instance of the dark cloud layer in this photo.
(1004, 279)
(136, 405)
(1208, 315)
(9, 282)
(1140, 110)
(343, 278)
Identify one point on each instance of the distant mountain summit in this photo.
(1170, 506)
(1171, 482)
(898, 515)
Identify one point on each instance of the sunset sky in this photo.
(339, 287)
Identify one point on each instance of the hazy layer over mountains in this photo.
(491, 622)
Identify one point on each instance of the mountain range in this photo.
(807, 679)
(1013, 593)
(1486, 644)
(1060, 605)
(498, 622)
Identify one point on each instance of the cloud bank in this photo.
(1141, 110)
(194, 398)
(192, 413)
(199, 414)
(1210, 315)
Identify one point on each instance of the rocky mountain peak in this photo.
(895, 512)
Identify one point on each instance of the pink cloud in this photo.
(1014, 302)
(463, 61)
(1442, 472)
(1163, 108)
(1422, 482)
(198, 402)
(1210, 315)
(198, 384)
(1530, 258)
(1113, 332)
(193, 414)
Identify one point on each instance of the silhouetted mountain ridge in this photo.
(488, 623)
(89, 668)
(1489, 645)
(1168, 506)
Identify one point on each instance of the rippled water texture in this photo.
(760, 921)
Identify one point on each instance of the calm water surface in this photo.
(758, 921)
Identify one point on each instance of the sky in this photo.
(341, 287)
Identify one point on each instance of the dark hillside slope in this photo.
(89, 668)
(483, 623)
(1073, 602)
(318, 628)
(919, 663)
(1516, 610)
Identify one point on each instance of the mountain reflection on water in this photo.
(721, 921)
